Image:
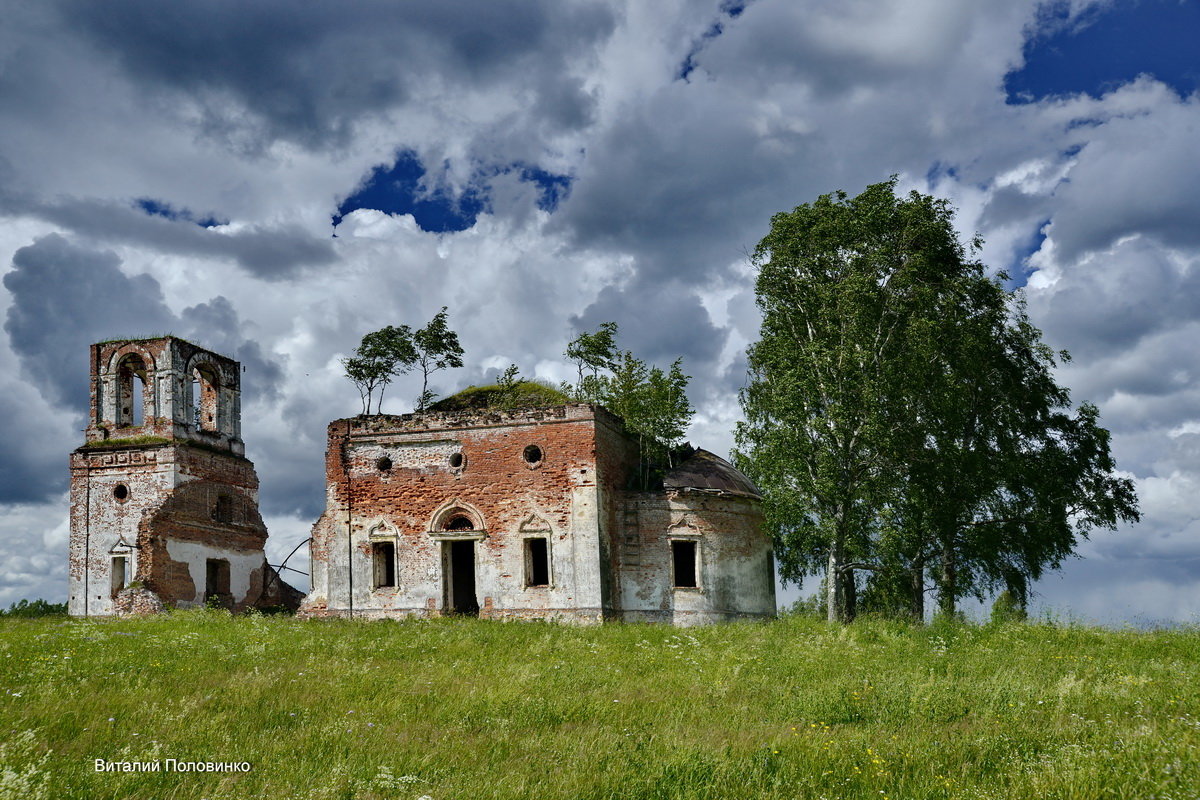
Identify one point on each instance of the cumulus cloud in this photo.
(310, 74)
(64, 298)
(33, 563)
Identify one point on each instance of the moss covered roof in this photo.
(524, 394)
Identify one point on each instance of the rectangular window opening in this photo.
(216, 583)
(120, 574)
(383, 559)
(537, 562)
(683, 557)
(223, 510)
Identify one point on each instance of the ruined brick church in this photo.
(164, 502)
(527, 513)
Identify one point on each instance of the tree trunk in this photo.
(916, 601)
(833, 586)
(948, 592)
(849, 596)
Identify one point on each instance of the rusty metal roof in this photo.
(708, 472)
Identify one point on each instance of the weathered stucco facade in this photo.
(530, 513)
(162, 495)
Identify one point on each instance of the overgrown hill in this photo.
(523, 394)
(461, 708)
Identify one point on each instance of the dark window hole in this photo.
(537, 562)
(383, 556)
(683, 554)
(460, 523)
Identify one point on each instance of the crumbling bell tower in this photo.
(164, 503)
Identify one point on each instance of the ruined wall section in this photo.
(166, 369)
(161, 485)
(401, 479)
(734, 564)
(203, 520)
(160, 506)
(617, 460)
(111, 492)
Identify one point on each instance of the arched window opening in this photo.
(132, 395)
(138, 400)
(205, 391)
(460, 523)
(194, 399)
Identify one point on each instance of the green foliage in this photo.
(796, 708)
(653, 402)
(1008, 608)
(34, 608)
(128, 441)
(508, 396)
(902, 416)
(812, 607)
(593, 354)
(394, 350)
(437, 348)
(520, 394)
(381, 356)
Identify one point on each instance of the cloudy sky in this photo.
(274, 179)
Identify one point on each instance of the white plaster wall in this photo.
(105, 521)
(196, 556)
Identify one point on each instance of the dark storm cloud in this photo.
(270, 253)
(292, 467)
(658, 323)
(653, 186)
(1108, 303)
(1138, 175)
(32, 467)
(65, 297)
(1145, 592)
(217, 326)
(307, 72)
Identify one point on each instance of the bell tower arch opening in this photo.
(204, 397)
(133, 392)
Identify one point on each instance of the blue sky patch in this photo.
(157, 208)
(938, 170)
(731, 9)
(1019, 270)
(397, 189)
(1109, 48)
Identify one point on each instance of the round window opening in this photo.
(532, 454)
(456, 460)
(121, 492)
(383, 464)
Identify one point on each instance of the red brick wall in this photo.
(495, 483)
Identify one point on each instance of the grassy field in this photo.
(466, 709)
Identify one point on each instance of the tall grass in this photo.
(468, 709)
